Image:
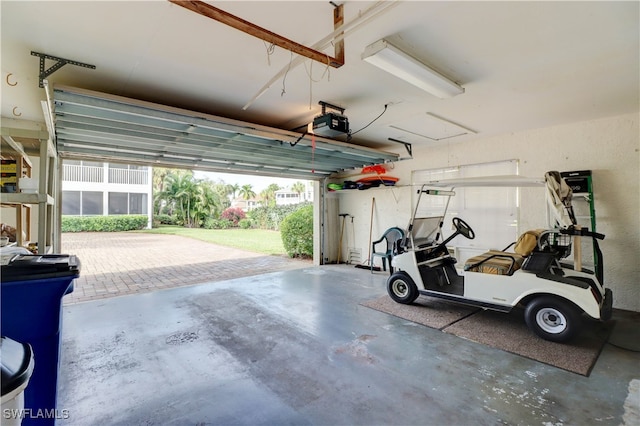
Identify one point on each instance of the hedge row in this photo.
(103, 223)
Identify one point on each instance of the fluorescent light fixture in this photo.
(396, 62)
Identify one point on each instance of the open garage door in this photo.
(102, 127)
(110, 128)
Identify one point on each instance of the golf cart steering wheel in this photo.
(463, 228)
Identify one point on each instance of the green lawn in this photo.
(256, 240)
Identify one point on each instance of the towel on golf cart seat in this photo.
(503, 262)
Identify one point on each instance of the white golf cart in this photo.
(553, 294)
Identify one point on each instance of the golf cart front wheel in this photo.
(553, 319)
(401, 288)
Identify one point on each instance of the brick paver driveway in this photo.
(119, 263)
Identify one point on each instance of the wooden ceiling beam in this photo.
(338, 21)
(233, 21)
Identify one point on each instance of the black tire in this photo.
(553, 319)
(401, 288)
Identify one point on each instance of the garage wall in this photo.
(609, 147)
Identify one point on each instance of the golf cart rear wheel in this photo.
(401, 288)
(553, 319)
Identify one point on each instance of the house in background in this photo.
(92, 188)
(285, 197)
(246, 205)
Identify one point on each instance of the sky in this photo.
(257, 182)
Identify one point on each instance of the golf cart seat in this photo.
(503, 262)
(392, 238)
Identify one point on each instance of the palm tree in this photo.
(207, 203)
(222, 190)
(159, 175)
(178, 192)
(164, 190)
(299, 188)
(269, 194)
(246, 192)
(186, 194)
(232, 190)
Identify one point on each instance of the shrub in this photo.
(270, 217)
(103, 223)
(165, 219)
(245, 224)
(233, 214)
(296, 231)
(217, 223)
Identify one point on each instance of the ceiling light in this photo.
(394, 61)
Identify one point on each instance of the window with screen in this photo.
(137, 203)
(71, 202)
(118, 202)
(91, 203)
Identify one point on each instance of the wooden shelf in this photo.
(13, 199)
(13, 148)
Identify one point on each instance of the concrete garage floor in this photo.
(295, 347)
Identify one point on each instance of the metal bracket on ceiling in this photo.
(407, 145)
(326, 105)
(60, 62)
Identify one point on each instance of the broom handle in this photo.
(340, 245)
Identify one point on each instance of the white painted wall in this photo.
(609, 147)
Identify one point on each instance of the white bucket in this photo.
(14, 368)
(13, 407)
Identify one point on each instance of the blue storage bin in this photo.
(31, 312)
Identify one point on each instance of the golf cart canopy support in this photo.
(489, 181)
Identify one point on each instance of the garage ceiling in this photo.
(523, 65)
(109, 128)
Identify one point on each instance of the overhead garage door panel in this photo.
(105, 127)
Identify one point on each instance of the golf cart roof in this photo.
(490, 181)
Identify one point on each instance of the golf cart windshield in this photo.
(426, 230)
